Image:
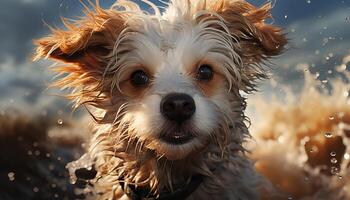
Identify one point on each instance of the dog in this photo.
(165, 89)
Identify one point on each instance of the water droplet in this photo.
(37, 153)
(330, 71)
(346, 156)
(334, 160)
(60, 121)
(308, 1)
(56, 195)
(35, 189)
(333, 153)
(317, 74)
(285, 16)
(314, 149)
(324, 81)
(334, 170)
(11, 176)
(328, 135)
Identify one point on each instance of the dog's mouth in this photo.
(177, 137)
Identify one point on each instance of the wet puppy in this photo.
(164, 89)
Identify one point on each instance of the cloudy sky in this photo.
(318, 30)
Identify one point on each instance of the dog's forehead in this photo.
(178, 57)
(170, 54)
(169, 44)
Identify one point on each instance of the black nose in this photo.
(177, 107)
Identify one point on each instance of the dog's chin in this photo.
(178, 148)
(177, 137)
(176, 142)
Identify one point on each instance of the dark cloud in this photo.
(33, 89)
(286, 12)
(321, 43)
(21, 21)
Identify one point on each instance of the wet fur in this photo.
(105, 46)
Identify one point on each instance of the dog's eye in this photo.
(205, 72)
(139, 78)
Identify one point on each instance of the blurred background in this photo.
(315, 64)
(319, 33)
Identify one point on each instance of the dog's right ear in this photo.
(258, 41)
(86, 45)
(85, 41)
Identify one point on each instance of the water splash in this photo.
(303, 141)
(84, 161)
(11, 176)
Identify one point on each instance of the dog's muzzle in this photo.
(177, 108)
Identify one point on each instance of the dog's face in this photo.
(167, 81)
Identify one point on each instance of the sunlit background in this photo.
(318, 30)
(285, 108)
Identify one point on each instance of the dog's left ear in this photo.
(257, 40)
(86, 46)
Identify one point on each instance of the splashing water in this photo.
(11, 176)
(60, 121)
(302, 142)
(84, 161)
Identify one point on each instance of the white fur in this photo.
(170, 47)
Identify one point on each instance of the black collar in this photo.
(178, 194)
